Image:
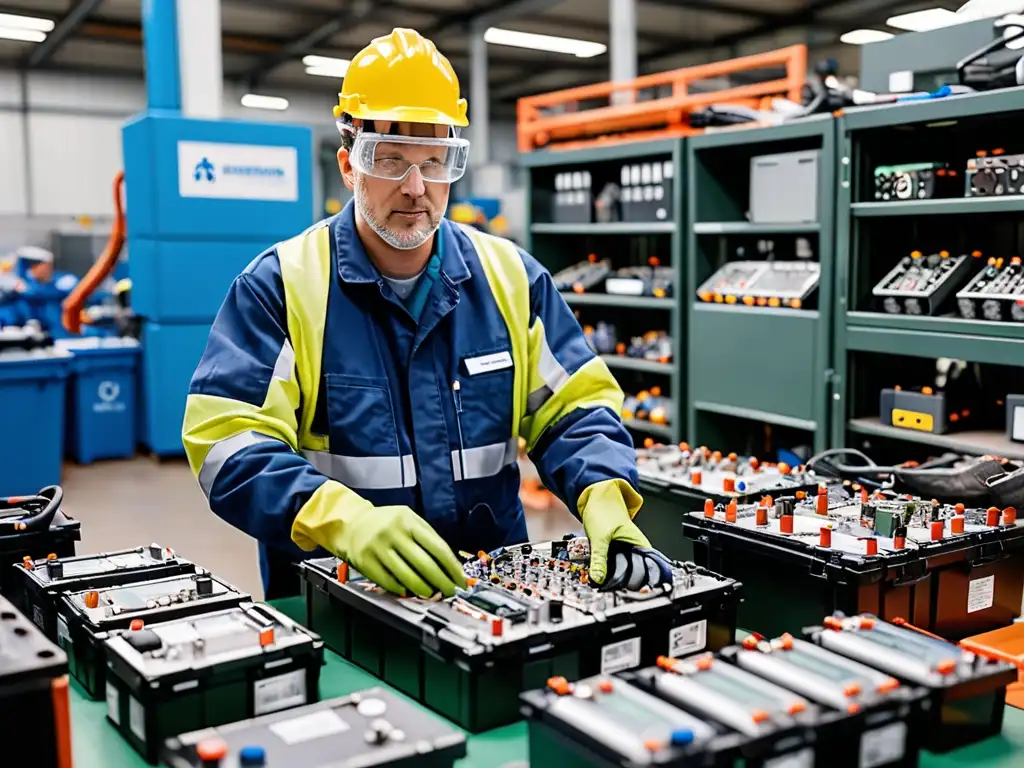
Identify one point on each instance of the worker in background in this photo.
(37, 292)
(365, 382)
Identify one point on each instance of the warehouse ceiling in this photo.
(266, 40)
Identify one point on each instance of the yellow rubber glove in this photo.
(392, 546)
(607, 509)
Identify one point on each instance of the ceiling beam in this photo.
(62, 32)
(711, 6)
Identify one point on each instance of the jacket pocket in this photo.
(485, 398)
(360, 417)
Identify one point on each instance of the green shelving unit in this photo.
(872, 349)
(757, 376)
(627, 243)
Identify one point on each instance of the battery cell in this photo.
(84, 618)
(28, 529)
(368, 728)
(46, 579)
(202, 671)
(967, 692)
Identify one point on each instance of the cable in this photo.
(44, 505)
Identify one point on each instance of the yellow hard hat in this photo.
(402, 77)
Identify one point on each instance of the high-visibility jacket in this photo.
(316, 373)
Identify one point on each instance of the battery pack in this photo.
(33, 527)
(944, 568)
(33, 694)
(86, 617)
(967, 692)
(368, 728)
(528, 615)
(202, 671)
(45, 580)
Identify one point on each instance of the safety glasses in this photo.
(392, 157)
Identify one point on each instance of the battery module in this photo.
(369, 728)
(45, 579)
(85, 617)
(529, 613)
(33, 527)
(177, 676)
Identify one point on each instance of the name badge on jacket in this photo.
(487, 363)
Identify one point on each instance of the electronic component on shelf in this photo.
(655, 346)
(762, 283)
(602, 339)
(583, 276)
(784, 187)
(33, 526)
(528, 613)
(45, 579)
(923, 410)
(995, 175)
(202, 671)
(884, 728)
(1015, 418)
(652, 280)
(915, 181)
(879, 549)
(702, 472)
(919, 284)
(34, 706)
(370, 728)
(996, 293)
(649, 405)
(646, 190)
(572, 202)
(967, 691)
(85, 618)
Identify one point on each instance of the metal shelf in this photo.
(980, 442)
(636, 364)
(751, 228)
(614, 300)
(610, 228)
(756, 314)
(754, 415)
(952, 206)
(613, 151)
(975, 341)
(661, 430)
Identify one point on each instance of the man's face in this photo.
(41, 272)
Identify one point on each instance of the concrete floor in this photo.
(124, 504)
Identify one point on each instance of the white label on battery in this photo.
(136, 718)
(883, 746)
(803, 758)
(309, 727)
(281, 692)
(113, 704)
(63, 636)
(981, 594)
(688, 638)
(619, 656)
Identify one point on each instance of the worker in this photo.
(365, 382)
(37, 292)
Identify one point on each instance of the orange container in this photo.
(1006, 644)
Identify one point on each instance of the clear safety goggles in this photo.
(392, 157)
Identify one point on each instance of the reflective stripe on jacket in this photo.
(315, 373)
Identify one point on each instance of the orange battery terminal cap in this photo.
(940, 172)
(704, 663)
(497, 626)
(767, 501)
(981, 153)
(483, 556)
(750, 642)
(136, 625)
(342, 572)
(653, 745)
(592, 258)
(999, 262)
(853, 708)
(716, 456)
(472, 582)
(762, 301)
(784, 468)
(888, 685)
(620, 348)
(796, 708)
(795, 303)
(730, 511)
(728, 484)
(92, 599)
(946, 667)
(866, 622)
(871, 547)
(956, 524)
(1009, 516)
(965, 413)
(863, 495)
(898, 388)
(696, 477)
(719, 298)
(831, 622)
(211, 750)
(667, 663)
(51, 556)
(944, 254)
(774, 302)
(926, 391)
(851, 690)
(730, 299)
(684, 446)
(976, 254)
(801, 495)
(992, 516)
(732, 457)
(29, 565)
(704, 296)
(758, 715)
(786, 524)
(748, 300)
(761, 516)
(577, 288)
(605, 686)
(954, 417)
(1015, 260)
(916, 254)
(997, 152)
(266, 637)
(648, 442)
(991, 261)
(655, 391)
(754, 463)
(959, 508)
(654, 261)
(559, 685)
(787, 642)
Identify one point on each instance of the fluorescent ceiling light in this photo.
(256, 101)
(865, 36)
(26, 35)
(984, 9)
(584, 49)
(325, 66)
(337, 74)
(922, 21)
(12, 21)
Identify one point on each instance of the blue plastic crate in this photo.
(169, 358)
(32, 388)
(101, 398)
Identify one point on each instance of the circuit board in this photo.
(762, 283)
(919, 284)
(996, 293)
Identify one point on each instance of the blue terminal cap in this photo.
(252, 755)
(681, 737)
(741, 485)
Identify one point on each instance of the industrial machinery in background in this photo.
(771, 281)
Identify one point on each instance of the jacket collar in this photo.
(354, 265)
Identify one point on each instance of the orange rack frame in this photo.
(657, 118)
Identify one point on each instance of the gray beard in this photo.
(401, 242)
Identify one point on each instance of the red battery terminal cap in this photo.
(833, 622)
(730, 511)
(709, 508)
(92, 599)
(959, 509)
(695, 477)
(497, 626)
(992, 516)
(605, 686)
(796, 708)
(266, 637)
(1009, 516)
(888, 685)
(851, 690)
(866, 622)
(800, 495)
(211, 750)
(685, 447)
(784, 468)
(750, 642)
(51, 556)
(786, 642)
(956, 524)
(667, 663)
(946, 667)
(136, 625)
(853, 708)
(559, 685)
(653, 745)
(729, 484)
(342, 572)
(758, 715)
(704, 662)
(754, 463)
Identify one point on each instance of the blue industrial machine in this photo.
(205, 197)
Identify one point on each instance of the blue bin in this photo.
(171, 354)
(101, 398)
(32, 388)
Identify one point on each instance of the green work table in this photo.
(96, 743)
